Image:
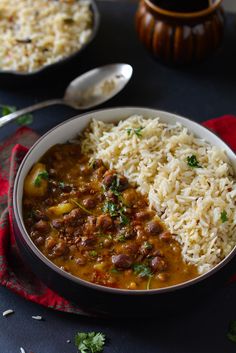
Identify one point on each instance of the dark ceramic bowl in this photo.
(94, 297)
(9, 78)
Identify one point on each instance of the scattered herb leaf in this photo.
(121, 238)
(232, 331)
(124, 220)
(61, 185)
(93, 253)
(114, 270)
(147, 245)
(223, 216)
(142, 270)
(7, 109)
(26, 119)
(137, 131)
(82, 207)
(111, 208)
(40, 176)
(90, 342)
(193, 162)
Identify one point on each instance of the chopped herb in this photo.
(121, 238)
(142, 270)
(61, 185)
(115, 186)
(232, 331)
(40, 176)
(26, 119)
(111, 208)
(82, 207)
(93, 253)
(114, 270)
(7, 109)
(128, 131)
(124, 220)
(193, 162)
(223, 216)
(147, 245)
(92, 164)
(90, 342)
(137, 131)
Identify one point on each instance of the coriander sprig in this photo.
(193, 162)
(90, 342)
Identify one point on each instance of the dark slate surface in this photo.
(202, 92)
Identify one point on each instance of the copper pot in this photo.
(178, 37)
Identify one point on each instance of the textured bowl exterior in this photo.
(179, 40)
(93, 297)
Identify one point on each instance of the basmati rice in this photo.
(190, 201)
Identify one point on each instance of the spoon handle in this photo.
(13, 116)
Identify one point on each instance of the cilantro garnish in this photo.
(193, 162)
(223, 216)
(147, 245)
(61, 185)
(90, 342)
(124, 220)
(93, 253)
(232, 331)
(25, 119)
(111, 208)
(121, 238)
(39, 177)
(142, 270)
(136, 131)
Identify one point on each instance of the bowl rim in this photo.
(184, 15)
(41, 257)
(95, 27)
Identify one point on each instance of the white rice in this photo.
(38, 33)
(189, 200)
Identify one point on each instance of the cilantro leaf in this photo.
(40, 176)
(232, 331)
(142, 270)
(26, 119)
(124, 220)
(90, 342)
(223, 216)
(7, 109)
(193, 162)
(111, 208)
(136, 131)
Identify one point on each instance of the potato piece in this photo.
(36, 183)
(61, 209)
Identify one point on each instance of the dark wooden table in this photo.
(201, 92)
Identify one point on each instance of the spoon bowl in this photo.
(86, 91)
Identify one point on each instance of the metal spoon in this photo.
(86, 91)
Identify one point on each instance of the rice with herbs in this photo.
(189, 182)
(35, 33)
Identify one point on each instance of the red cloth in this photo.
(13, 272)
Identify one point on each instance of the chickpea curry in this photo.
(92, 223)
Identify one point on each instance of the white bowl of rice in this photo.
(187, 173)
(36, 35)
